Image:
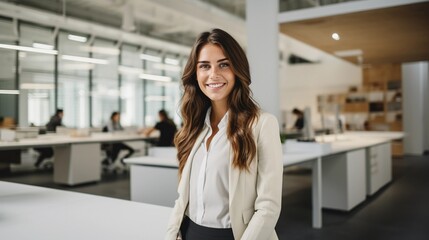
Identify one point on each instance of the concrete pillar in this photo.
(263, 53)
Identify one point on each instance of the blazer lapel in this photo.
(234, 175)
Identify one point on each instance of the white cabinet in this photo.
(154, 184)
(379, 167)
(344, 180)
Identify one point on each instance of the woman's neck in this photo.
(217, 113)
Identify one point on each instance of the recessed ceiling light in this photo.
(77, 38)
(336, 36)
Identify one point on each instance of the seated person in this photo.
(51, 126)
(113, 149)
(299, 122)
(167, 130)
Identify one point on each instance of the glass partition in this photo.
(8, 88)
(73, 79)
(132, 97)
(105, 85)
(37, 88)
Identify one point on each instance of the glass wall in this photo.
(105, 84)
(131, 90)
(8, 86)
(154, 90)
(89, 78)
(173, 69)
(37, 89)
(73, 79)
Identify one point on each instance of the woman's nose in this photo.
(214, 73)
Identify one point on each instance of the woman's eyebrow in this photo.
(220, 60)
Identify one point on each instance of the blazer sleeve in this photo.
(269, 182)
(175, 221)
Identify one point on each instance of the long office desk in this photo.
(77, 159)
(341, 178)
(29, 212)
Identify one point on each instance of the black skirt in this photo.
(193, 231)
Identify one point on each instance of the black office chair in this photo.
(107, 149)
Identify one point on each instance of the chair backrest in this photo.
(105, 129)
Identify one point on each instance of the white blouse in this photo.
(209, 182)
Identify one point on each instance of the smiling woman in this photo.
(230, 157)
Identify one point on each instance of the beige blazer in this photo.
(254, 195)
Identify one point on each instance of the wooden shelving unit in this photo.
(376, 106)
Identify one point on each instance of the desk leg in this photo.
(77, 163)
(317, 193)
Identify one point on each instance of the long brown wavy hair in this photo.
(194, 103)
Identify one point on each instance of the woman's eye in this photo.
(224, 65)
(204, 66)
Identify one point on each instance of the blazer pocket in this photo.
(247, 215)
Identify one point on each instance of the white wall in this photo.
(300, 84)
(415, 106)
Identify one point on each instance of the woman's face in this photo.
(116, 118)
(214, 74)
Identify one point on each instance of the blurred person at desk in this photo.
(8, 157)
(48, 152)
(113, 149)
(299, 122)
(167, 130)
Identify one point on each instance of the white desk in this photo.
(77, 159)
(341, 174)
(29, 212)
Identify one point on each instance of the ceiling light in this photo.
(9, 91)
(101, 50)
(349, 53)
(161, 66)
(28, 49)
(43, 86)
(157, 98)
(77, 38)
(155, 77)
(43, 46)
(129, 70)
(172, 61)
(150, 58)
(336, 36)
(84, 59)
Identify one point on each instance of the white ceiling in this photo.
(178, 21)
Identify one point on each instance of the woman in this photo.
(229, 153)
(114, 125)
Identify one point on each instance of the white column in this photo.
(414, 79)
(263, 53)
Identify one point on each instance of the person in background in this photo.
(167, 130)
(114, 125)
(55, 121)
(229, 151)
(48, 152)
(299, 122)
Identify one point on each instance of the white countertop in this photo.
(379, 134)
(154, 161)
(341, 143)
(59, 139)
(29, 212)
